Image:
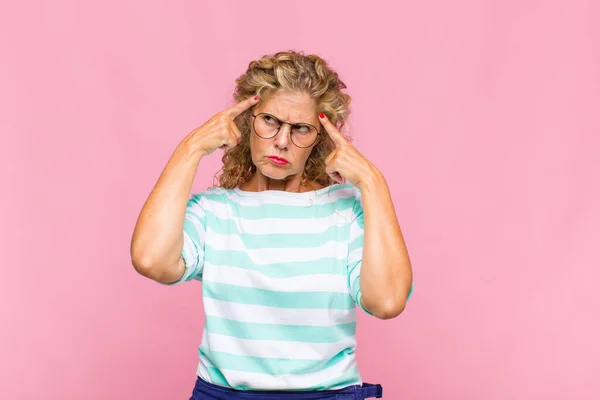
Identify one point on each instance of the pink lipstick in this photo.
(278, 160)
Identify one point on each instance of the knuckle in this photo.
(225, 124)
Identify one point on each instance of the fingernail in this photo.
(256, 97)
(321, 115)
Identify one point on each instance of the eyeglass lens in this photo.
(267, 126)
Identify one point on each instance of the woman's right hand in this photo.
(158, 239)
(219, 132)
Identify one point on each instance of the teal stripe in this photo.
(350, 377)
(193, 206)
(410, 291)
(216, 377)
(270, 366)
(357, 243)
(286, 333)
(360, 217)
(280, 210)
(190, 229)
(192, 214)
(338, 233)
(289, 269)
(263, 297)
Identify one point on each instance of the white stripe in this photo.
(259, 381)
(196, 207)
(257, 199)
(273, 315)
(265, 226)
(202, 369)
(355, 231)
(190, 256)
(355, 256)
(337, 250)
(255, 279)
(355, 274)
(274, 348)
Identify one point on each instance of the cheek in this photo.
(256, 147)
(305, 154)
(302, 156)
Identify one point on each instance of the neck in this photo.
(258, 183)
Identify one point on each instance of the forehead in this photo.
(290, 106)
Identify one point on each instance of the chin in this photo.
(273, 172)
(280, 175)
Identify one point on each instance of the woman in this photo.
(300, 230)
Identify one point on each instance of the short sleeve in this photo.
(194, 234)
(355, 252)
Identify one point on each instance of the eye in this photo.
(269, 119)
(302, 129)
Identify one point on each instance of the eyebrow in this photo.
(293, 123)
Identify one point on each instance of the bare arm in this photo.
(158, 235)
(386, 271)
(157, 240)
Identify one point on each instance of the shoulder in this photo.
(214, 193)
(348, 192)
(343, 190)
(346, 197)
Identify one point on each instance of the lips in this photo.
(278, 160)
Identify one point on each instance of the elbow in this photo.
(144, 263)
(390, 311)
(143, 266)
(139, 256)
(153, 271)
(386, 306)
(159, 271)
(158, 263)
(385, 309)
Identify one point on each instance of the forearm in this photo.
(386, 272)
(157, 240)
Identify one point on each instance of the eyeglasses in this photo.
(302, 134)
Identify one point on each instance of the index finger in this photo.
(333, 132)
(242, 106)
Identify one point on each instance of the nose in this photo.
(282, 140)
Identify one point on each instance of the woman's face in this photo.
(277, 157)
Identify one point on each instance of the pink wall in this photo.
(483, 115)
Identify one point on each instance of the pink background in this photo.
(483, 116)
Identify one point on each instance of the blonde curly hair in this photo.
(293, 71)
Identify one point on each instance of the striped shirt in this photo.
(280, 284)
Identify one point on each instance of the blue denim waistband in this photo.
(208, 391)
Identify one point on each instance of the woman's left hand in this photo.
(345, 163)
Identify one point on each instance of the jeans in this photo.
(208, 391)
